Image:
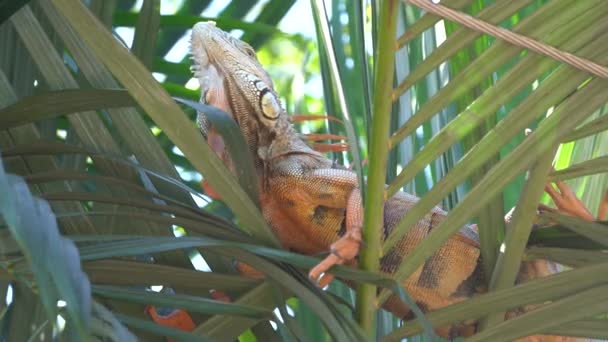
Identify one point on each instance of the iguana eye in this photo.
(269, 105)
(250, 52)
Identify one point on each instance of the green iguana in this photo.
(314, 205)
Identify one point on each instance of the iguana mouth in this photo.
(208, 76)
(200, 33)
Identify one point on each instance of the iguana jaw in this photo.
(210, 79)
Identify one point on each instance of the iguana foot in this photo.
(220, 296)
(343, 250)
(566, 201)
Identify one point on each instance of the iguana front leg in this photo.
(314, 190)
(347, 247)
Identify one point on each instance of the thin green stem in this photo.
(378, 156)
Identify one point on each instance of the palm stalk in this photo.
(378, 152)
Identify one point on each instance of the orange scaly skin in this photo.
(312, 204)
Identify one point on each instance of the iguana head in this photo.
(233, 80)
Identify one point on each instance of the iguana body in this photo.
(312, 204)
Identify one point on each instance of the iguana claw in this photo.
(342, 251)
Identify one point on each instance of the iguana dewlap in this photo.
(313, 204)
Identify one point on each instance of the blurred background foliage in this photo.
(122, 183)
